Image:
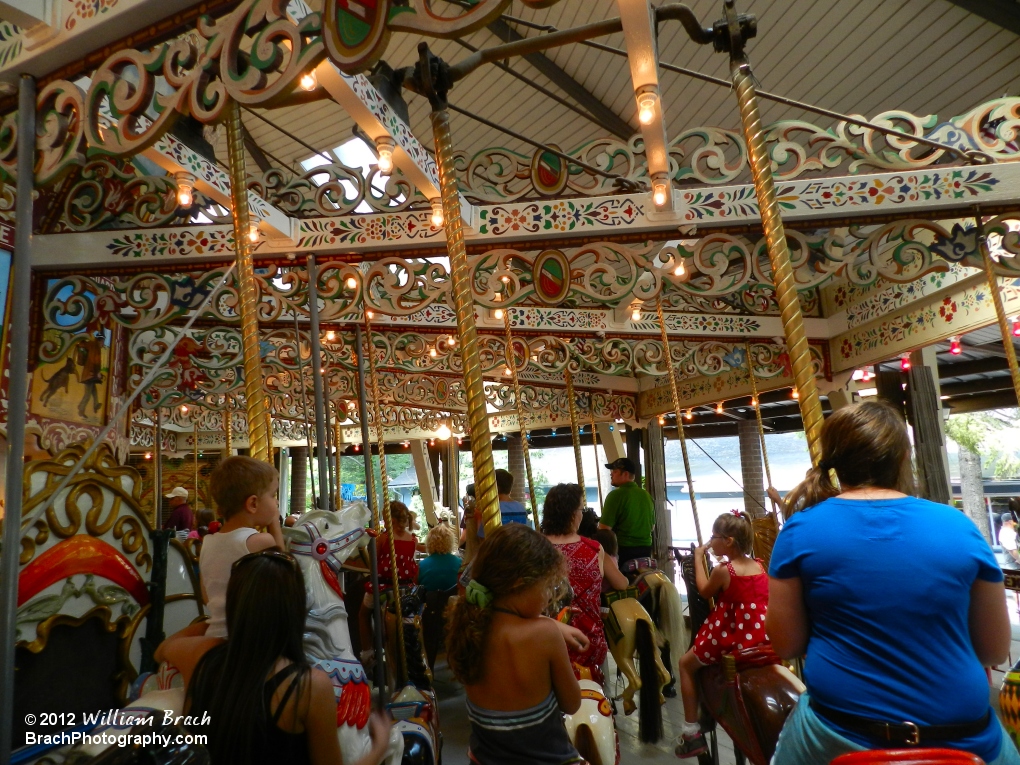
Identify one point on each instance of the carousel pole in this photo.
(384, 490)
(228, 429)
(668, 358)
(195, 436)
(433, 79)
(775, 236)
(304, 405)
(757, 414)
(1000, 310)
(575, 435)
(339, 459)
(373, 548)
(595, 443)
(254, 389)
(21, 291)
(157, 471)
(511, 360)
(320, 409)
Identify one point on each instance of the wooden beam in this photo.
(584, 98)
(985, 385)
(1003, 13)
(999, 400)
(976, 367)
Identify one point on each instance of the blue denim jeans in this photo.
(806, 739)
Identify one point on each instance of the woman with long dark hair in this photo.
(897, 601)
(264, 702)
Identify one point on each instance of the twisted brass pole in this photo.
(757, 414)
(1000, 309)
(595, 444)
(779, 255)
(258, 436)
(384, 488)
(575, 435)
(486, 496)
(668, 358)
(511, 363)
(228, 429)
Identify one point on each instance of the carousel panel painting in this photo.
(71, 380)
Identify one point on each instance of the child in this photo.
(438, 572)
(245, 493)
(512, 661)
(204, 522)
(741, 589)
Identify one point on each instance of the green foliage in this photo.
(992, 435)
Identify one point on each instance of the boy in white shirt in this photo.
(1007, 538)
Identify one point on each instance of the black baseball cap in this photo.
(622, 464)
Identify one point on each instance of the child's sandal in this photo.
(691, 747)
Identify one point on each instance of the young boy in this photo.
(245, 493)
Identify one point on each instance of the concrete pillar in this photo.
(655, 484)
(634, 437)
(973, 491)
(924, 410)
(751, 468)
(298, 479)
(426, 480)
(515, 465)
(609, 438)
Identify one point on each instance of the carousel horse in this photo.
(630, 629)
(321, 541)
(661, 599)
(749, 693)
(591, 728)
(1009, 702)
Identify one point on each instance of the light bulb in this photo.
(754, 403)
(148, 455)
(185, 188)
(679, 270)
(253, 233)
(184, 409)
(635, 315)
(1016, 327)
(444, 432)
(905, 363)
(659, 193)
(505, 279)
(370, 314)
(330, 336)
(689, 414)
(433, 352)
(498, 313)
(452, 341)
(352, 283)
(384, 146)
(437, 213)
(719, 408)
(954, 346)
(662, 420)
(506, 371)
(795, 394)
(357, 447)
(646, 103)
(308, 81)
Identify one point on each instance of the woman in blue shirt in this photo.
(897, 601)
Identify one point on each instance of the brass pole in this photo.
(157, 472)
(258, 436)
(384, 489)
(668, 358)
(757, 414)
(228, 429)
(487, 498)
(196, 462)
(1000, 310)
(269, 432)
(779, 254)
(575, 435)
(339, 458)
(511, 363)
(595, 444)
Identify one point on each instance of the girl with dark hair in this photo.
(588, 567)
(895, 652)
(265, 704)
(512, 660)
(740, 588)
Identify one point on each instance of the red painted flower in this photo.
(948, 309)
(846, 349)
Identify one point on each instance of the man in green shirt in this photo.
(629, 511)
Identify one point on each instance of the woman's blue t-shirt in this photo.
(439, 571)
(887, 586)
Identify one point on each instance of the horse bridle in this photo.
(322, 549)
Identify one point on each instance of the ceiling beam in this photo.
(1003, 13)
(999, 400)
(605, 116)
(975, 367)
(984, 385)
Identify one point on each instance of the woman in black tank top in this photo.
(264, 702)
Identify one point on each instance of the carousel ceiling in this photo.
(572, 248)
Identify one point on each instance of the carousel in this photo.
(399, 283)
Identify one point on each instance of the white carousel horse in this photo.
(591, 728)
(667, 608)
(321, 541)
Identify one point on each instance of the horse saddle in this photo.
(750, 694)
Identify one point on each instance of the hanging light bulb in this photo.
(795, 394)
(689, 414)
(954, 346)
(647, 100)
(505, 279)
(662, 420)
(460, 441)
(659, 193)
(438, 219)
(184, 408)
(370, 314)
(1016, 327)
(432, 442)
(357, 447)
(905, 363)
(433, 352)
(635, 315)
(253, 233)
(679, 270)
(309, 81)
(384, 145)
(452, 341)
(719, 408)
(507, 372)
(352, 283)
(498, 313)
(330, 336)
(185, 188)
(148, 455)
(754, 403)
(444, 432)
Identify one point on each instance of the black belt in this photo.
(907, 733)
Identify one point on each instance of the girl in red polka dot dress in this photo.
(740, 587)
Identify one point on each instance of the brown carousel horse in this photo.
(749, 693)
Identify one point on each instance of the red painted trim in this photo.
(80, 554)
(331, 578)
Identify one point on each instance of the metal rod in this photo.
(21, 296)
(157, 472)
(195, 436)
(779, 255)
(125, 407)
(304, 405)
(254, 387)
(384, 491)
(339, 458)
(228, 429)
(595, 443)
(373, 552)
(1000, 310)
(487, 498)
(511, 362)
(728, 474)
(756, 405)
(575, 431)
(320, 426)
(328, 430)
(675, 394)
